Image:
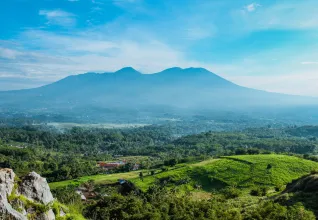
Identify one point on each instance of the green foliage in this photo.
(240, 171)
(158, 203)
(259, 191)
(27, 203)
(171, 174)
(231, 192)
(171, 162)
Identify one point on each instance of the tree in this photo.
(141, 176)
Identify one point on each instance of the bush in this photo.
(259, 191)
(231, 192)
(171, 162)
(163, 169)
(279, 188)
(314, 172)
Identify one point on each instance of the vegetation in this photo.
(211, 175)
(241, 171)
(161, 204)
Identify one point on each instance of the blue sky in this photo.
(265, 44)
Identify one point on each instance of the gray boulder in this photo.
(33, 187)
(46, 216)
(7, 212)
(36, 188)
(6, 187)
(6, 182)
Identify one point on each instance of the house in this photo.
(111, 165)
(136, 166)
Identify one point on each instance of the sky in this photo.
(266, 44)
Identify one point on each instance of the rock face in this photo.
(33, 188)
(7, 212)
(36, 188)
(6, 182)
(6, 188)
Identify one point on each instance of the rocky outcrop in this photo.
(6, 187)
(7, 212)
(30, 197)
(36, 188)
(6, 182)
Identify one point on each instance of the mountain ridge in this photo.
(188, 89)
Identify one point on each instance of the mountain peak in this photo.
(187, 71)
(127, 70)
(196, 69)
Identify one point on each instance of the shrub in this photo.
(279, 188)
(259, 191)
(231, 192)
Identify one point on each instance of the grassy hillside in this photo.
(241, 171)
(98, 179)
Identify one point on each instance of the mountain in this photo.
(129, 90)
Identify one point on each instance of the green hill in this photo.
(242, 171)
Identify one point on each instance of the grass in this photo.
(242, 171)
(98, 179)
(283, 169)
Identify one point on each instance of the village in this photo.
(87, 191)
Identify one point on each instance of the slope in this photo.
(241, 171)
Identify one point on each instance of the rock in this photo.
(36, 188)
(46, 216)
(6, 182)
(7, 212)
(33, 187)
(6, 187)
(62, 213)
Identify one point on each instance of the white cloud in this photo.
(251, 7)
(308, 62)
(73, 0)
(197, 33)
(79, 54)
(132, 42)
(62, 55)
(58, 17)
(8, 53)
(290, 14)
(56, 42)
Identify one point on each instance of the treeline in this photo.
(54, 166)
(88, 141)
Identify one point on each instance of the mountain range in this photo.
(190, 88)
